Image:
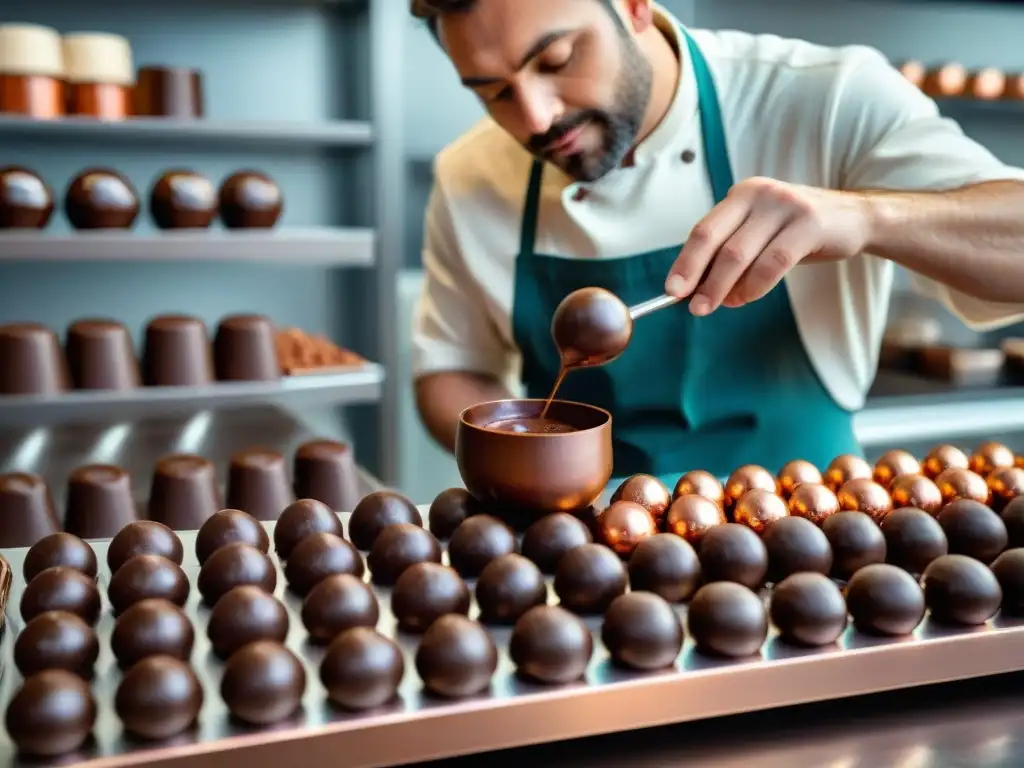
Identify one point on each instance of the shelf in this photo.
(351, 247)
(356, 386)
(333, 134)
(999, 106)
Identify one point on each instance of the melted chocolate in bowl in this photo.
(532, 426)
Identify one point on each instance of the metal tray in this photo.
(515, 713)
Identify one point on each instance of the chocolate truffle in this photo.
(916, 491)
(797, 472)
(52, 714)
(990, 456)
(842, 469)
(813, 502)
(152, 627)
(425, 592)
(1005, 484)
(733, 552)
(796, 545)
(647, 491)
(56, 640)
(867, 496)
(747, 478)
(159, 697)
(229, 526)
(1013, 518)
(477, 541)
(692, 516)
(884, 600)
(507, 588)
(588, 578)
(959, 590)
(244, 615)
(893, 464)
(362, 669)
(449, 509)
(59, 550)
(318, 556)
(263, 683)
(232, 566)
(913, 538)
(701, 483)
(250, 199)
(727, 619)
(759, 510)
(1009, 572)
(61, 589)
(301, 519)
(962, 484)
(973, 530)
(943, 457)
(146, 576)
(551, 537)
(144, 537)
(551, 645)
(624, 525)
(808, 609)
(642, 631)
(456, 657)
(337, 603)
(375, 512)
(398, 547)
(665, 565)
(856, 541)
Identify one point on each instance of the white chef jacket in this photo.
(836, 118)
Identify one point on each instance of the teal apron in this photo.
(713, 393)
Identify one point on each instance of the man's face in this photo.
(565, 78)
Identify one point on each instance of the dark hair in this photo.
(431, 9)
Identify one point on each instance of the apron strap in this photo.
(716, 153)
(528, 232)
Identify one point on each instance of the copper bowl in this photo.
(536, 472)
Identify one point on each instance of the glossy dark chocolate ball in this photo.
(235, 565)
(398, 547)
(101, 198)
(56, 640)
(973, 529)
(318, 556)
(449, 509)
(147, 576)
(183, 199)
(960, 590)
(229, 526)
(249, 199)
(426, 592)
(26, 201)
(144, 537)
(727, 619)
(362, 669)
(159, 697)
(551, 645)
(884, 600)
(56, 550)
(478, 541)
(152, 627)
(301, 519)
(337, 603)
(913, 538)
(733, 552)
(263, 683)
(551, 537)
(588, 578)
(642, 631)
(61, 589)
(507, 588)
(1013, 518)
(1008, 569)
(375, 512)
(244, 615)
(808, 609)
(456, 657)
(665, 565)
(796, 545)
(856, 542)
(52, 714)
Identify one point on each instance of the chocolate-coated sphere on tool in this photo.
(808, 609)
(159, 697)
(856, 541)
(665, 565)
(842, 469)
(916, 491)
(733, 552)
(642, 631)
(456, 657)
(56, 550)
(61, 589)
(263, 683)
(701, 483)
(1005, 484)
(865, 495)
(147, 576)
(893, 464)
(551, 537)
(424, 593)
(747, 478)
(449, 509)
(1013, 518)
(227, 527)
(375, 512)
(144, 537)
(52, 714)
(691, 516)
(300, 519)
(913, 538)
(813, 502)
(759, 510)
(1008, 569)
(477, 541)
(550, 645)
(961, 591)
(318, 556)
(973, 529)
(232, 566)
(507, 588)
(624, 525)
(647, 491)
(56, 640)
(337, 603)
(588, 578)
(152, 627)
(795, 545)
(244, 615)
(797, 472)
(398, 547)
(362, 669)
(943, 457)
(990, 456)
(884, 600)
(962, 484)
(727, 619)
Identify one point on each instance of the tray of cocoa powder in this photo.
(396, 634)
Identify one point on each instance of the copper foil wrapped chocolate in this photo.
(624, 525)
(747, 478)
(916, 491)
(758, 509)
(893, 464)
(844, 468)
(813, 502)
(867, 496)
(990, 456)
(943, 457)
(797, 472)
(647, 491)
(700, 483)
(1005, 484)
(955, 483)
(692, 516)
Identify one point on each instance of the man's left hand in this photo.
(749, 241)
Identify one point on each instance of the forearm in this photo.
(971, 239)
(442, 397)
